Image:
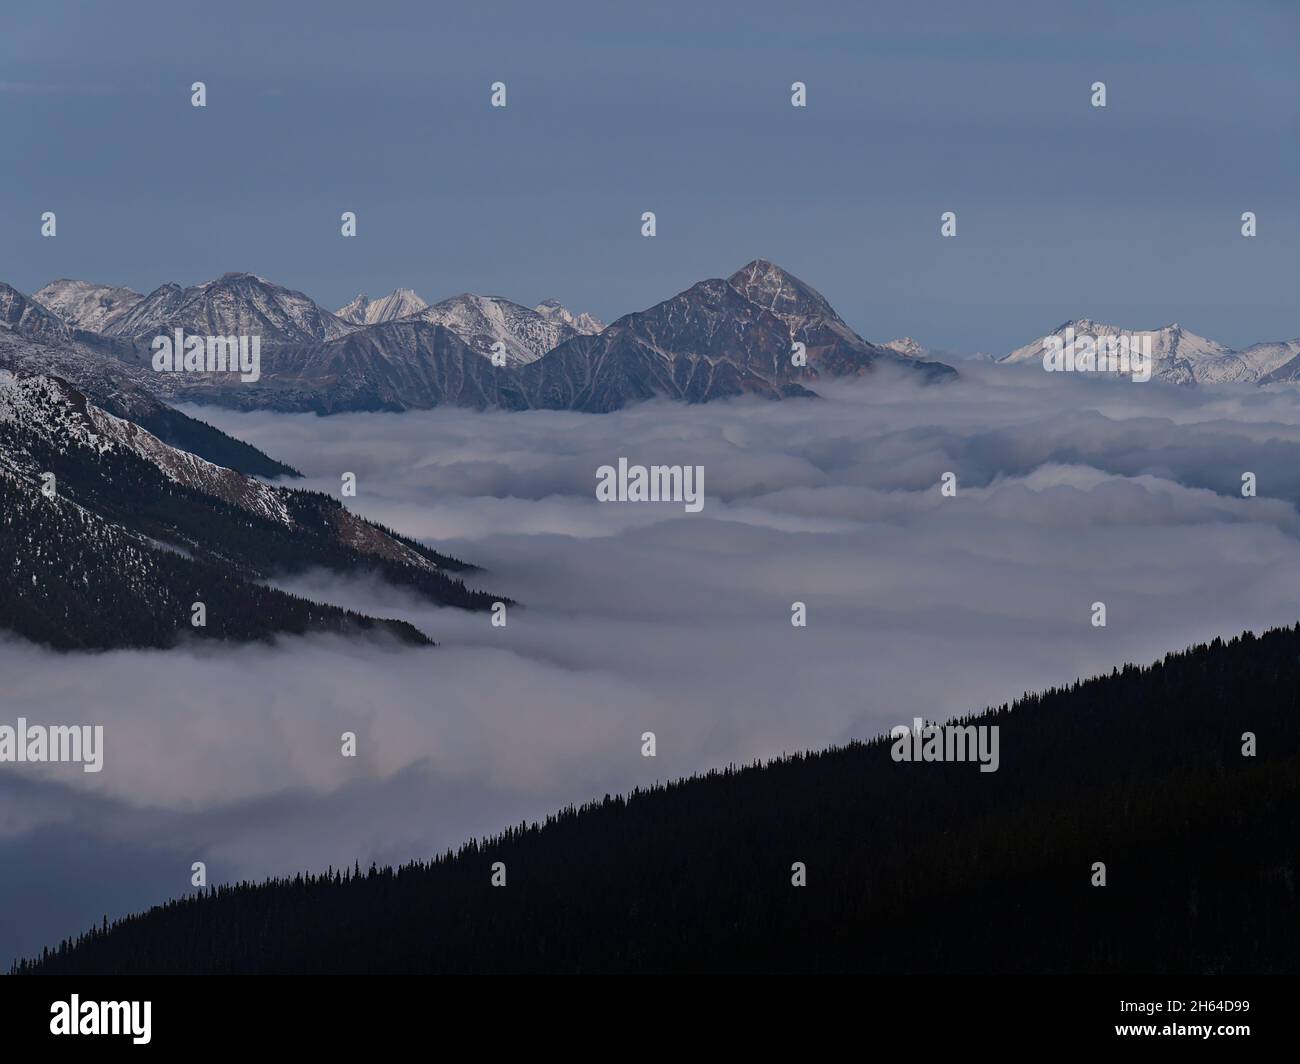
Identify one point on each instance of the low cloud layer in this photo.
(641, 617)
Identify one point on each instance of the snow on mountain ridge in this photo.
(583, 324)
(58, 413)
(22, 314)
(482, 322)
(795, 302)
(355, 311)
(1271, 359)
(905, 345)
(61, 415)
(47, 406)
(240, 304)
(86, 305)
(189, 469)
(1178, 355)
(399, 303)
(831, 346)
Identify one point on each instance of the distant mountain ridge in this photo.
(524, 335)
(718, 339)
(412, 369)
(366, 311)
(1180, 356)
(583, 324)
(84, 305)
(232, 304)
(905, 345)
(489, 325)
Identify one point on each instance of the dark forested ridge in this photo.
(910, 866)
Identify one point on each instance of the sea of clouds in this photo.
(638, 617)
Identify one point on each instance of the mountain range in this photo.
(717, 339)
(81, 399)
(482, 322)
(1182, 357)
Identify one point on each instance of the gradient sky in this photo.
(1128, 215)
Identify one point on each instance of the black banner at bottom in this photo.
(1239, 1015)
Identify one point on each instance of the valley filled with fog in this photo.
(636, 617)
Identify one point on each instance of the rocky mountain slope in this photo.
(108, 372)
(128, 530)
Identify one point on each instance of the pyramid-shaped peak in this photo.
(785, 295)
(765, 272)
(759, 264)
(1081, 327)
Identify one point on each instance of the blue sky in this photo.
(1128, 214)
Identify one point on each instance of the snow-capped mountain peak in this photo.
(1178, 355)
(905, 345)
(583, 324)
(483, 322)
(355, 311)
(797, 303)
(241, 304)
(85, 305)
(400, 303)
